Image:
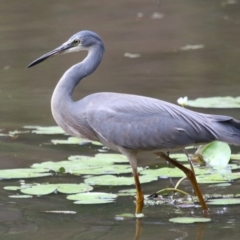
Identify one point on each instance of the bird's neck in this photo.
(62, 101)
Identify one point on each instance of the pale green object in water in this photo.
(188, 220)
(215, 154)
(215, 102)
(92, 198)
(110, 180)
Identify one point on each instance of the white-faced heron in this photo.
(129, 123)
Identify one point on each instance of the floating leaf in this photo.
(23, 173)
(70, 188)
(226, 201)
(61, 212)
(181, 157)
(102, 158)
(163, 172)
(235, 156)
(108, 169)
(92, 198)
(213, 178)
(40, 189)
(215, 102)
(70, 140)
(216, 154)
(45, 130)
(12, 188)
(189, 219)
(110, 180)
(127, 192)
(20, 196)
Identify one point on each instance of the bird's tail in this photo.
(226, 129)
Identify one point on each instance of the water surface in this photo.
(31, 29)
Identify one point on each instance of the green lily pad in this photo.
(103, 158)
(68, 166)
(70, 140)
(216, 154)
(40, 189)
(215, 102)
(23, 173)
(127, 192)
(45, 130)
(181, 157)
(226, 201)
(20, 196)
(68, 188)
(110, 180)
(235, 156)
(163, 172)
(109, 169)
(12, 188)
(92, 198)
(213, 178)
(189, 219)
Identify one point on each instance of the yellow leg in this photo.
(190, 175)
(139, 197)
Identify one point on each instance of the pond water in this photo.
(157, 30)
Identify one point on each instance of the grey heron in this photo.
(130, 124)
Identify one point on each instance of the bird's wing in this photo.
(142, 123)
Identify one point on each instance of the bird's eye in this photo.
(76, 41)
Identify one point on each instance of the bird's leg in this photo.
(139, 198)
(190, 175)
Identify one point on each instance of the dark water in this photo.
(31, 28)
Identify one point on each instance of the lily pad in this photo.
(92, 198)
(110, 180)
(163, 172)
(216, 154)
(23, 173)
(226, 201)
(103, 158)
(70, 140)
(108, 169)
(189, 219)
(40, 190)
(181, 157)
(215, 102)
(213, 178)
(20, 196)
(46, 130)
(73, 188)
(235, 156)
(127, 192)
(12, 188)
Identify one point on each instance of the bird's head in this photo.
(84, 40)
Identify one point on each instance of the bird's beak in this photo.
(59, 50)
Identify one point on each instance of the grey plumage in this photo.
(128, 123)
